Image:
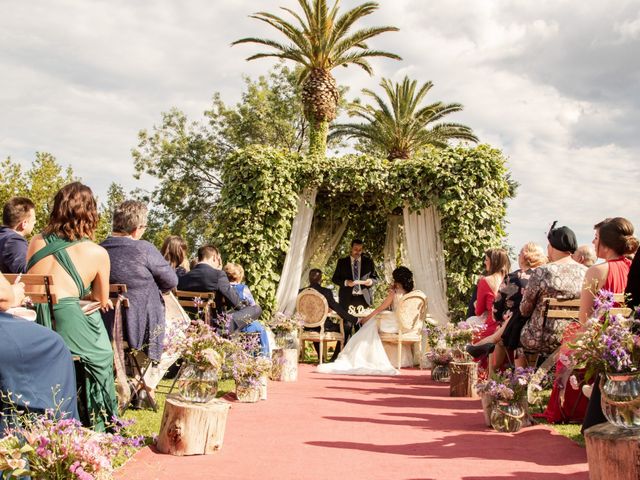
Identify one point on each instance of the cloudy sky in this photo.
(553, 83)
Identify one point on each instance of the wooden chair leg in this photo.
(399, 355)
(320, 348)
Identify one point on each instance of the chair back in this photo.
(411, 310)
(185, 299)
(570, 309)
(37, 287)
(313, 307)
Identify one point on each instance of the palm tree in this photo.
(400, 128)
(322, 41)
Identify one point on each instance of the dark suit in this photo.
(329, 326)
(13, 251)
(344, 272)
(204, 278)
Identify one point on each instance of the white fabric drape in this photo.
(391, 243)
(293, 264)
(323, 241)
(426, 259)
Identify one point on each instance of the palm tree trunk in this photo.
(318, 132)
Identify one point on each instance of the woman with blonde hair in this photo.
(81, 268)
(506, 307)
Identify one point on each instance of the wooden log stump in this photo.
(192, 428)
(464, 377)
(613, 453)
(285, 365)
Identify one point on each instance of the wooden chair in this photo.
(560, 309)
(186, 301)
(39, 288)
(410, 314)
(314, 309)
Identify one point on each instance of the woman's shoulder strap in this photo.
(53, 245)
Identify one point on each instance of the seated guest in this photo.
(315, 282)
(506, 307)
(614, 242)
(561, 278)
(585, 255)
(207, 276)
(35, 364)
(18, 218)
(142, 268)
(175, 251)
(235, 274)
(81, 269)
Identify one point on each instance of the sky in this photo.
(555, 84)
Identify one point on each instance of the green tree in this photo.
(40, 183)
(115, 196)
(187, 156)
(321, 42)
(401, 127)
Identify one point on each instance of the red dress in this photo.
(484, 303)
(575, 403)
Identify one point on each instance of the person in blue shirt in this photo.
(18, 220)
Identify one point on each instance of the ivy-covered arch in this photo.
(469, 187)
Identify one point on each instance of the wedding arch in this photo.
(281, 214)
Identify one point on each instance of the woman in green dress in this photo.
(81, 270)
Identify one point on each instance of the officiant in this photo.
(355, 275)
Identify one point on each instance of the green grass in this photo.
(571, 431)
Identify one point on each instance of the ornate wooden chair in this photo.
(410, 314)
(314, 309)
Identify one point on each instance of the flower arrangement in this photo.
(460, 334)
(47, 448)
(440, 356)
(282, 323)
(199, 344)
(609, 343)
(433, 332)
(509, 386)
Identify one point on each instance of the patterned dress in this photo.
(507, 306)
(554, 280)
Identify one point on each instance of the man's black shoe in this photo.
(480, 351)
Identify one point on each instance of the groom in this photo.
(350, 271)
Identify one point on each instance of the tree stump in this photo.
(192, 428)
(464, 377)
(613, 453)
(285, 365)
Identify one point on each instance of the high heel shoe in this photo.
(480, 351)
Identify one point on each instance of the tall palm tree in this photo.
(322, 41)
(401, 127)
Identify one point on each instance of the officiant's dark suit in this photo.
(355, 267)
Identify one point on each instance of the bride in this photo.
(365, 354)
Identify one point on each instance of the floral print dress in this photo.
(554, 280)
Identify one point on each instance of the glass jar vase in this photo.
(287, 340)
(248, 392)
(197, 383)
(620, 399)
(507, 417)
(440, 373)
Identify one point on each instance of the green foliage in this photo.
(39, 183)
(469, 186)
(115, 196)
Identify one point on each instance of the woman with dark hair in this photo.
(614, 242)
(174, 250)
(364, 354)
(81, 269)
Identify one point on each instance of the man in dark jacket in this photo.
(208, 276)
(18, 218)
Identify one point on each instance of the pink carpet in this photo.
(348, 427)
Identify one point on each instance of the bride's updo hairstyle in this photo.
(404, 277)
(617, 234)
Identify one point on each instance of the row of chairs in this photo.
(314, 309)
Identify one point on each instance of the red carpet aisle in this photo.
(391, 428)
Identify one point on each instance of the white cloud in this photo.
(551, 82)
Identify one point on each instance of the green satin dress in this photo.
(85, 335)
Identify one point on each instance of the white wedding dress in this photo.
(364, 353)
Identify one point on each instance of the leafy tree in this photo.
(187, 156)
(321, 42)
(40, 183)
(401, 127)
(115, 196)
